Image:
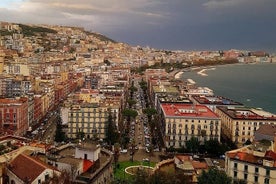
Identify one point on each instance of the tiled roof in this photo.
(199, 165)
(87, 164)
(270, 154)
(243, 156)
(186, 110)
(26, 167)
(249, 157)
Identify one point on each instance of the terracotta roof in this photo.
(87, 164)
(270, 154)
(243, 156)
(199, 165)
(26, 167)
(187, 110)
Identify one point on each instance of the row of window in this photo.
(192, 132)
(88, 114)
(192, 127)
(182, 143)
(245, 167)
(182, 121)
(87, 131)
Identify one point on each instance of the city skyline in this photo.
(174, 25)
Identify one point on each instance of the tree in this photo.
(80, 135)
(116, 154)
(247, 142)
(60, 135)
(132, 89)
(131, 102)
(214, 176)
(129, 113)
(143, 85)
(192, 145)
(150, 112)
(111, 133)
(214, 147)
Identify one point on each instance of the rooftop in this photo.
(188, 110)
(215, 100)
(23, 164)
(257, 153)
(165, 89)
(245, 113)
(267, 129)
(165, 98)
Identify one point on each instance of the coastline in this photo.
(177, 74)
(249, 84)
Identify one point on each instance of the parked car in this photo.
(145, 159)
(123, 151)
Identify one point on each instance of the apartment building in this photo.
(254, 163)
(184, 121)
(18, 86)
(159, 90)
(91, 119)
(14, 115)
(240, 123)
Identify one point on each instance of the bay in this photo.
(253, 85)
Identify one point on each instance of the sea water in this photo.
(253, 85)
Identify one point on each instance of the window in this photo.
(245, 176)
(266, 181)
(235, 165)
(235, 174)
(85, 156)
(198, 127)
(39, 181)
(267, 172)
(256, 170)
(256, 178)
(47, 177)
(246, 168)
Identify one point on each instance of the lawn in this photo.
(120, 171)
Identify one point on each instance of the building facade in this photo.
(240, 123)
(14, 116)
(182, 122)
(254, 164)
(91, 119)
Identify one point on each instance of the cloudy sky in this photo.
(164, 24)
